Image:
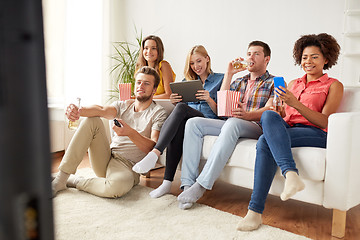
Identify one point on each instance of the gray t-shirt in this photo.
(151, 118)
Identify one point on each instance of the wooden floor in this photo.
(297, 217)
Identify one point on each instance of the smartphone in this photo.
(116, 122)
(279, 81)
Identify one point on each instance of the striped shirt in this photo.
(257, 94)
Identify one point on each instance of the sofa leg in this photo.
(338, 223)
(146, 175)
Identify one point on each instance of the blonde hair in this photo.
(160, 51)
(188, 72)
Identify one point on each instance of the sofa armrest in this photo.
(342, 181)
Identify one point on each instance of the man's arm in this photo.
(108, 112)
(253, 115)
(230, 72)
(73, 113)
(145, 144)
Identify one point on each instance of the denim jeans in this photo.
(229, 132)
(273, 149)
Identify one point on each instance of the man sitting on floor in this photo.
(140, 122)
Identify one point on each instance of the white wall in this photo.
(226, 27)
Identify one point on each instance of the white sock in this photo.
(73, 180)
(293, 184)
(185, 206)
(192, 194)
(250, 222)
(163, 189)
(146, 164)
(59, 183)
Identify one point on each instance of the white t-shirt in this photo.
(143, 122)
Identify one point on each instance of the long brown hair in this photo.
(160, 51)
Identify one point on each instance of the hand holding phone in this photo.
(279, 81)
(116, 122)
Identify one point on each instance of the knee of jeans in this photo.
(231, 126)
(268, 115)
(193, 126)
(261, 143)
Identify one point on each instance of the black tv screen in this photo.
(25, 162)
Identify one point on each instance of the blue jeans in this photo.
(229, 132)
(273, 149)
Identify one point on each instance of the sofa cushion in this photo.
(309, 160)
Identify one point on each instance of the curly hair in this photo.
(325, 42)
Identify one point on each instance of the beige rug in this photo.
(79, 215)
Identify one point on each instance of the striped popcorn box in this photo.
(124, 91)
(227, 101)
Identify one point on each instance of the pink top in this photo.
(249, 89)
(312, 95)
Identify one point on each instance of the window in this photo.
(73, 47)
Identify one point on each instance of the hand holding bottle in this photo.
(237, 65)
(278, 104)
(73, 114)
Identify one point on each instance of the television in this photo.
(25, 162)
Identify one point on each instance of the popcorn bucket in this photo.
(124, 91)
(227, 101)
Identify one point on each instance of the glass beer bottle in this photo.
(277, 103)
(73, 125)
(240, 64)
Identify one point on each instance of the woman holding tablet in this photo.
(152, 54)
(197, 66)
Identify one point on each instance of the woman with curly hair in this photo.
(152, 55)
(302, 122)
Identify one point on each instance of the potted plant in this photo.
(125, 57)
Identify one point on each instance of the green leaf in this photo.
(125, 57)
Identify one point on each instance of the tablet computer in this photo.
(187, 89)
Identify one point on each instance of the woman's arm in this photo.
(205, 95)
(167, 79)
(320, 119)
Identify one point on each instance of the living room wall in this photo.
(226, 27)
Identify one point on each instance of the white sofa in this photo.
(331, 175)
